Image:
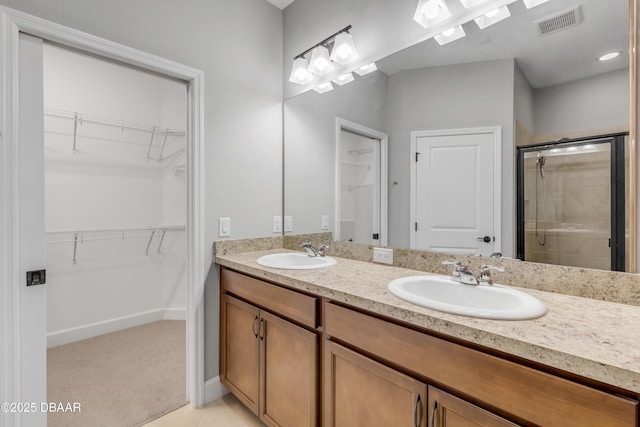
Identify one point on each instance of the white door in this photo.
(454, 192)
(31, 229)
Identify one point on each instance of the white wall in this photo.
(238, 45)
(456, 96)
(593, 105)
(110, 183)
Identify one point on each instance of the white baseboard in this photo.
(70, 335)
(214, 390)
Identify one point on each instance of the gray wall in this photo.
(523, 100)
(456, 96)
(310, 145)
(238, 45)
(591, 105)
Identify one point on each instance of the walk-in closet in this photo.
(116, 243)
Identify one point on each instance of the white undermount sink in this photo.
(295, 261)
(483, 301)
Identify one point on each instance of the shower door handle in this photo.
(486, 239)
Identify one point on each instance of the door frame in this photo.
(381, 197)
(620, 257)
(496, 131)
(12, 23)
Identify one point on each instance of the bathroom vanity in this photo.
(333, 347)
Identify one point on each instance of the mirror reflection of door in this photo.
(455, 193)
(359, 179)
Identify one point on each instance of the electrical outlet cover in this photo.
(383, 255)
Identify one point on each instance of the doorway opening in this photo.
(361, 184)
(572, 207)
(115, 221)
(24, 368)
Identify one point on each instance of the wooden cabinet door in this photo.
(240, 362)
(361, 392)
(289, 373)
(446, 410)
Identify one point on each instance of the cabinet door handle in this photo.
(433, 413)
(261, 329)
(255, 326)
(416, 409)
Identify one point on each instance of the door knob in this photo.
(486, 239)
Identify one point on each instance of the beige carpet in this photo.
(124, 378)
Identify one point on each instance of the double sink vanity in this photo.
(338, 341)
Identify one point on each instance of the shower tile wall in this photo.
(578, 193)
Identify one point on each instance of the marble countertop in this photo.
(595, 339)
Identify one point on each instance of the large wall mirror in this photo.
(471, 146)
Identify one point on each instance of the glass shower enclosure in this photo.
(571, 205)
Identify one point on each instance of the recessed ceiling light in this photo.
(609, 56)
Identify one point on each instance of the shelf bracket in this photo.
(75, 134)
(164, 231)
(153, 134)
(75, 247)
(153, 232)
(164, 142)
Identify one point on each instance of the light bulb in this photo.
(322, 64)
(491, 14)
(431, 10)
(343, 52)
(448, 32)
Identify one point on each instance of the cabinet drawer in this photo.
(292, 305)
(526, 393)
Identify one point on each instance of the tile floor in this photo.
(227, 412)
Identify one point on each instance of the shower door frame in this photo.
(617, 240)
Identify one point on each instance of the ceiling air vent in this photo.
(559, 21)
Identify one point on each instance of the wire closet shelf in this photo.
(81, 236)
(157, 132)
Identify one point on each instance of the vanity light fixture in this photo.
(300, 73)
(609, 56)
(343, 52)
(471, 3)
(343, 79)
(431, 12)
(320, 63)
(450, 35)
(323, 87)
(366, 69)
(492, 17)
(533, 3)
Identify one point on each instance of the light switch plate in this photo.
(325, 222)
(277, 224)
(224, 227)
(288, 223)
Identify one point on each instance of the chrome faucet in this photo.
(485, 273)
(463, 274)
(311, 251)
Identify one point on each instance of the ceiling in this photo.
(280, 3)
(555, 58)
(546, 60)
